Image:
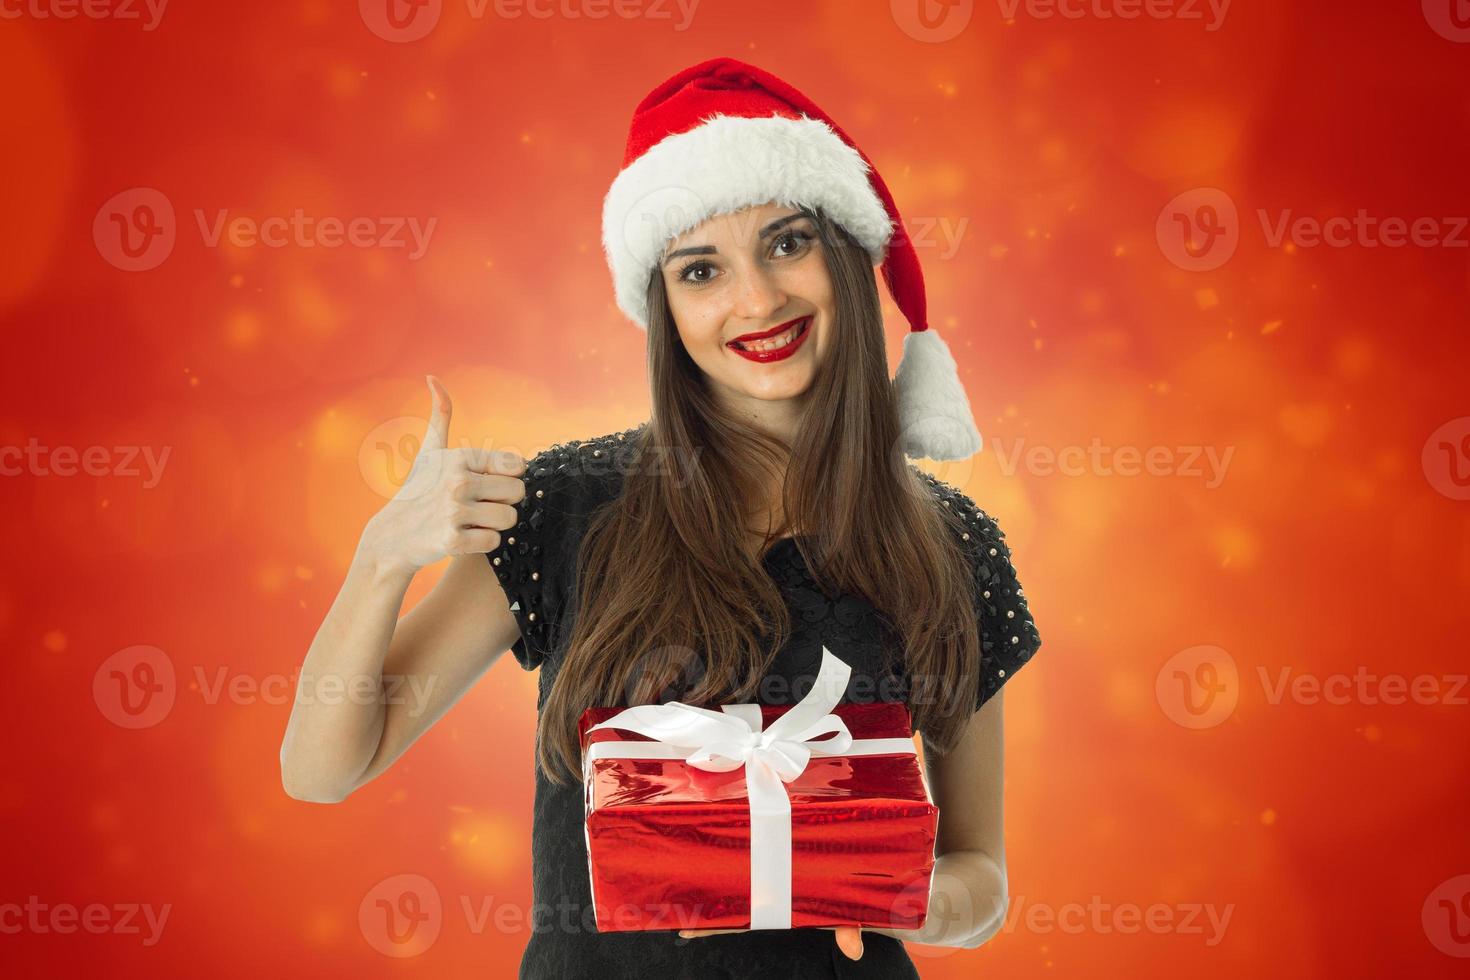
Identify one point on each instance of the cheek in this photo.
(699, 325)
(811, 282)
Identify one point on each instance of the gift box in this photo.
(746, 816)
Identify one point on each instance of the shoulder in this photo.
(572, 475)
(979, 537)
(1008, 634)
(978, 532)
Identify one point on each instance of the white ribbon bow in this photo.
(719, 741)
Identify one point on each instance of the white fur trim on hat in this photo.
(725, 164)
(934, 417)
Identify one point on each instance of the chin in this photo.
(780, 392)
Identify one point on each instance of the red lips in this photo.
(767, 356)
(771, 332)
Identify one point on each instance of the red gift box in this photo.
(842, 832)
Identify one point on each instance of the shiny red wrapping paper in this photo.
(668, 844)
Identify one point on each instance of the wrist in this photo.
(378, 563)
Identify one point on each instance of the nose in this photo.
(759, 295)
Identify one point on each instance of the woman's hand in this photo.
(849, 938)
(454, 501)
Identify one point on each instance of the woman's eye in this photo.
(799, 239)
(684, 274)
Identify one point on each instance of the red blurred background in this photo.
(194, 437)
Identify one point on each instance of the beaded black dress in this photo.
(535, 562)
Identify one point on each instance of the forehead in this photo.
(733, 228)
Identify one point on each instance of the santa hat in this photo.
(724, 135)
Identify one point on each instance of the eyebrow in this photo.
(766, 232)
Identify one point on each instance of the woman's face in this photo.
(756, 271)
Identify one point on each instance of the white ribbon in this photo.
(719, 741)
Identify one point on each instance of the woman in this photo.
(709, 554)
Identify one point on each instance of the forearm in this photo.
(967, 902)
(336, 723)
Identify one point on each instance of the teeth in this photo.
(773, 343)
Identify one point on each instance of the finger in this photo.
(850, 941)
(500, 489)
(502, 461)
(437, 435)
(473, 541)
(488, 514)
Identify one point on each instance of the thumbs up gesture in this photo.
(454, 501)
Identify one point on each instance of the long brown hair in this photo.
(665, 574)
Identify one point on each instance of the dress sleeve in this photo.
(529, 562)
(1008, 636)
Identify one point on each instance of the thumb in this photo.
(850, 941)
(437, 435)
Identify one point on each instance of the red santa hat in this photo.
(724, 135)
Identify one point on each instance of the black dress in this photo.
(564, 486)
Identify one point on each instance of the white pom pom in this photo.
(933, 410)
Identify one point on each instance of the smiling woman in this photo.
(768, 365)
